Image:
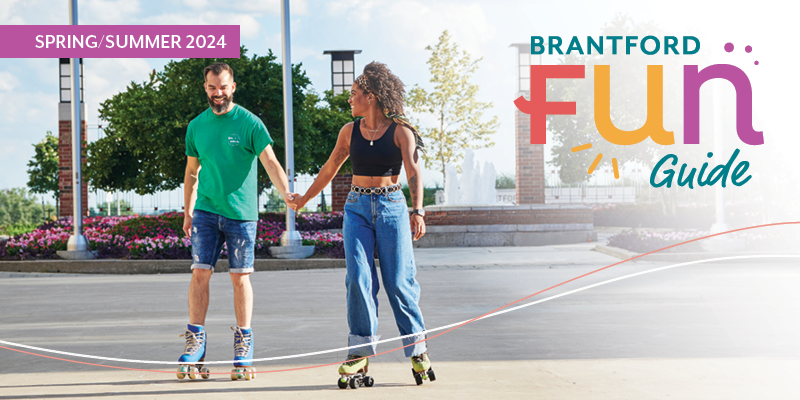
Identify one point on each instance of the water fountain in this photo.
(470, 214)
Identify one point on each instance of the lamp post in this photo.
(342, 69)
(524, 60)
(77, 245)
(291, 242)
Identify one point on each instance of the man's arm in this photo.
(276, 173)
(189, 192)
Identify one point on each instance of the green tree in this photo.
(628, 105)
(328, 115)
(453, 103)
(628, 109)
(144, 147)
(19, 207)
(43, 167)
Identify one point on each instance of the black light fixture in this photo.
(342, 69)
(65, 80)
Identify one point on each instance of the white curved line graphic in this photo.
(125, 360)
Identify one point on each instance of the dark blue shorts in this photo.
(210, 231)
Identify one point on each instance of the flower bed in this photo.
(644, 242)
(690, 216)
(161, 237)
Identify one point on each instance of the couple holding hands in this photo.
(226, 139)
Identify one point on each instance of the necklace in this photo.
(372, 132)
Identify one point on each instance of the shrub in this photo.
(644, 242)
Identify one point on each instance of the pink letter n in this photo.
(692, 80)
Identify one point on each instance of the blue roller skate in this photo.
(194, 355)
(242, 354)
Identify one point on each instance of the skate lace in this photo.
(420, 358)
(241, 342)
(193, 341)
(353, 360)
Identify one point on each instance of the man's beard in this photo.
(222, 107)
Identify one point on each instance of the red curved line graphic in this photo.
(437, 335)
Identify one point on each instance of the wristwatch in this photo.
(419, 211)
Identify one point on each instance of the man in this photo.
(225, 140)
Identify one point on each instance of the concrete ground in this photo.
(707, 331)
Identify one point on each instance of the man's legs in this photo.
(198, 296)
(207, 241)
(242, 299)
(241, 240)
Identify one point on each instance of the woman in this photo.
(376, 219)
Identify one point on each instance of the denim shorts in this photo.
(210, 231)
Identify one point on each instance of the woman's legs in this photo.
(398, 269)
(362, 276)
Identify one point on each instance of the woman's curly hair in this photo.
(386, 86)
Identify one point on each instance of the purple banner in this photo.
(119, 41)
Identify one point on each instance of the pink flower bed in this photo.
(159, 237)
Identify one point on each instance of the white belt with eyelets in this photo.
(380, 190)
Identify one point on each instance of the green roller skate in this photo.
(353, 373)
(422, 368)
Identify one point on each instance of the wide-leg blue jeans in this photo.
(379, 222)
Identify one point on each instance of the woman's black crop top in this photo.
(383, 158)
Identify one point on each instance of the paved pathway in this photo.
(706, 331)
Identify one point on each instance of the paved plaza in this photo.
(705, 331)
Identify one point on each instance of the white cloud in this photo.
(108, 12)
(8, 81)
(415, 24)
(422, 24)
(359, 10)
(296, 7)
(249, 27)
(105, 77)
(196, 4)
(7, 16)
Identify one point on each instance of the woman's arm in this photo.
(408, 147)
(339, 155)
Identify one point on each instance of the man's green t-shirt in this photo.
(228, 146)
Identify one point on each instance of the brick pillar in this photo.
(340, 187)
(530, 163)
(65, 161)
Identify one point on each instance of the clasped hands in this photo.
(295, 201)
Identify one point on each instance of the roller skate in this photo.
(242, 354)
(422, 368)
(194, 355)
(354, 373)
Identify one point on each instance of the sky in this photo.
(396, 33)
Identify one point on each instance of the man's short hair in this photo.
(217, 69)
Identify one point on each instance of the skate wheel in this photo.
(417, 376)
(342, 382)
(368, 381)
(236, 374)
(353, 384)
(182, 372)
(193, 373)
(249, 374)
(205, 373)
(431, 375)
